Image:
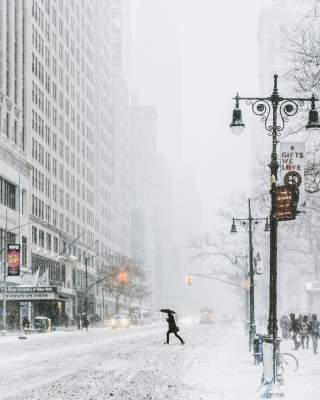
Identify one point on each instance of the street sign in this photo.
(285, 210)
(292, 155)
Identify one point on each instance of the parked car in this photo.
(134, 319)
(120, 321)
(206, 316)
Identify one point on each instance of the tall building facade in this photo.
(143, 130)
(70, 141)
(122, 138)
(59, 125)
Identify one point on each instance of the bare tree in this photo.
(126, 281)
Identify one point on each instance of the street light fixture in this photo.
(313, 121)
(269, 109)
(233, 227)
(249, 224)
(237, 126)
(267, 226)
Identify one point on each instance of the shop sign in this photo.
(292, 156)
(284, 204)
(13, 259)
(21, 293)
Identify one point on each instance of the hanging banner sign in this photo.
(13, 259)
(285, 203)
(292, 155)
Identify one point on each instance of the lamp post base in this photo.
(276, 392)
(3, 333)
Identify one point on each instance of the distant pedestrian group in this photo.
(301, 329)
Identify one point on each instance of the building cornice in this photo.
(15, 157)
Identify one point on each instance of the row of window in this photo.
(37, 40)
(37, 14)
(37, 68)
(45, 240)
(56, 272)
(38, 207)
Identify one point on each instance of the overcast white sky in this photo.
(190, 57)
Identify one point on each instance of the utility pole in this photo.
(3, 333)
(251, 277)
(86, 277)
(249, 225)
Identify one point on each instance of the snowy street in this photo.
(124, 364)
(134, 364)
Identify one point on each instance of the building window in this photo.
(41, 238)
(11, 239)
(48, 240)
(34, 235)
(55, 244)
(7, 194)
(24, 251)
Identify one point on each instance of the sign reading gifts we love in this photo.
(292, 160)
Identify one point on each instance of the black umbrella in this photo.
(167, 310)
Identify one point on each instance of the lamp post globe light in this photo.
(274, 111)
(249, 224)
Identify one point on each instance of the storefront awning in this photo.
(25, 294)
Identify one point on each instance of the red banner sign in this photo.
(285, 203)
(13, 259)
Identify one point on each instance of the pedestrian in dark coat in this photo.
(314, 332)
(304, 332)
(285, 326)
(25, 323)
(172, 328)
(85, 323)
(295, 329)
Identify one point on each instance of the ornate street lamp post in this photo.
(269, 109)
(249, 224)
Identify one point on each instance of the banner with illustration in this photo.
(13, 259)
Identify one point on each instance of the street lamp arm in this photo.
(71, 243)
(97, 282)
(207, 276)
(251, 219)
(280, 99)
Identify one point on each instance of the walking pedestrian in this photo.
(314, 332)
(285, 327)
(305, 332)
(25, 323)
(85, 323)
(295, 329)
(173, 328)
(79, 321)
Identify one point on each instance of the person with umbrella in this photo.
(173, 328)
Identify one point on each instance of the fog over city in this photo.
(159, 191)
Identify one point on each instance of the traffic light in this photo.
(189, 280)
(122, 277)
(246, 284)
